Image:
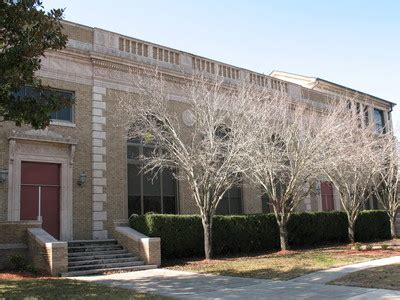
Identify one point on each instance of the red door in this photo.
(40, 195)
(327, 196)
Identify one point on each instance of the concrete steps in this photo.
(99, 257)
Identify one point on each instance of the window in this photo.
(371, 203)
(379, 120)
(366, 115)
(231, 203)
(145, 193)
(66, 114)
(265, 205)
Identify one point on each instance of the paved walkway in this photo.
(188, 285)
(325, 276)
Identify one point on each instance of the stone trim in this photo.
(32, 146)
(99, 165)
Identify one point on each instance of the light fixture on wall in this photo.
(82, 179)
(3, 175)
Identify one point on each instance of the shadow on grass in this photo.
(64, 289)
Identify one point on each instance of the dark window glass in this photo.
(151, 184)
(148, 151)
(65, 114)
(231, 203)
(265, 206)
(133, 179)
(223, 207)
(169, 205)
(152, 204)
(134, 205)
(169, 184)
(133, 152)
(147, 193)
(236, 206)
(379, 121)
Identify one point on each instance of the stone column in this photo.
(99, 196)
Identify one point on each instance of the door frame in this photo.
(46, 152)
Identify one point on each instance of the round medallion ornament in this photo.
(188, 118)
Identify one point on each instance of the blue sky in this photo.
(354, 43)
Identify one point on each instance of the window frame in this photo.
(138, 162)
(70, 123)
(382, 126)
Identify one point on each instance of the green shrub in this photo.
(317, 228)
(182, 235)
(18, 262)
(372, 225)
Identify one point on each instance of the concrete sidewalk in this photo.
(188, 285)
(326, 276)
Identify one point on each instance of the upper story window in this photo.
(64, 115)
(379, 121)
(147, 193)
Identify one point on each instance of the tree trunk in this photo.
(207, 228)
(283, 236)
(393, 227)
(351, 232)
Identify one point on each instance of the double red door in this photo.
(327, 196)
(40, 195)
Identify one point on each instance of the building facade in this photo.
(80, 175)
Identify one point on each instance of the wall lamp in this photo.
(82, 179)
(3, 175)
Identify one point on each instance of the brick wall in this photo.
(14, 240)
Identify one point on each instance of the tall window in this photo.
(145, 193)
(231, 203)
(379, 120)
(265, 205)
(66, 114)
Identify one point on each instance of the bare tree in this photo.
(356, 157)
(207, 150)
(387, 182)
(289, 152)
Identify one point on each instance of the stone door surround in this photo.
(42, 146)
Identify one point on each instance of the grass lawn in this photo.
(386, 277)
(55, 288)
(278, 265)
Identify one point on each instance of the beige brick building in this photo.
(98, 182)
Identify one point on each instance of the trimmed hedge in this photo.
(182, 235)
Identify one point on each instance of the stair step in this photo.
(101, 256)
(93, 248)
(75, 243)
(106, 266)
(94, 253)
(102, 261)
(108, 270)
